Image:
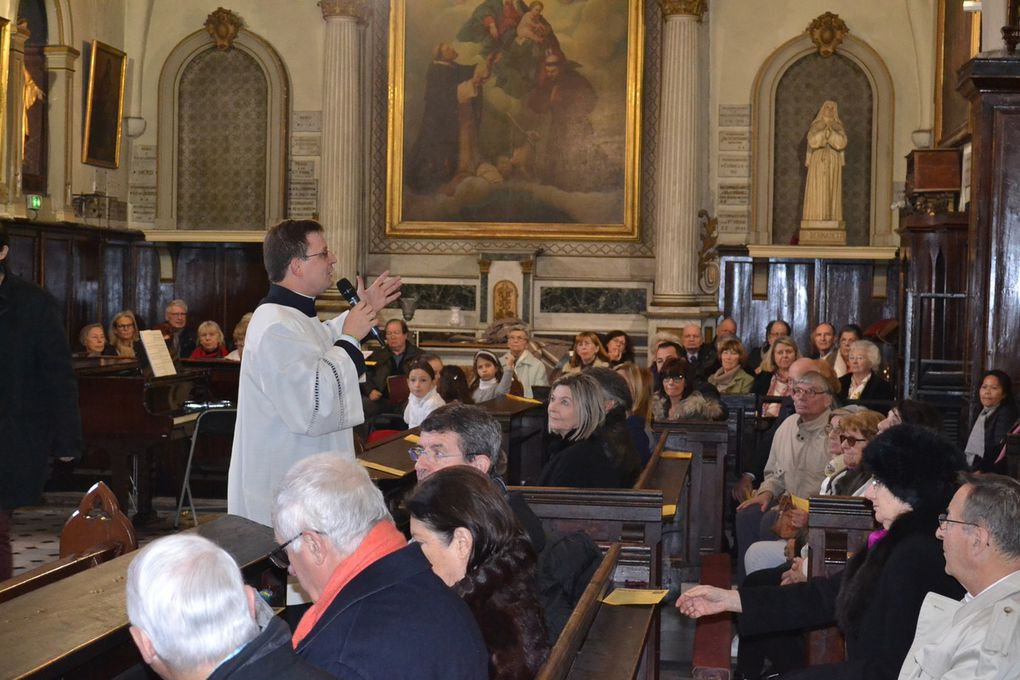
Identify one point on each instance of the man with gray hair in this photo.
(977, 638)
(184, 339)
(528, 369)
(193, 617)
(379, 610)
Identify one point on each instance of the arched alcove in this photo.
(861, 58)
(277, 88)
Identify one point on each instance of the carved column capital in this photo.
(695, 8)
(354, 9)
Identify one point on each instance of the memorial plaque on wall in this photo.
(142, 183)
(306, 145)
(733, 165)
(733, 222)
(735, 140)
(738, 115)
(307, 121)
(734, 195)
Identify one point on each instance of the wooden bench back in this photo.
(601, 640)
(838, 528)
(702, 507)
(97, 521)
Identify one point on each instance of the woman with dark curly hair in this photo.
(619, 348)
(470, 535)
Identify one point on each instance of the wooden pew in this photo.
(51, 572)
(702, 506)
(1013, 455)
(838, 527)
(78, 626)
(599, 640)
(713, 635)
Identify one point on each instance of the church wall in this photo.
(742, 38)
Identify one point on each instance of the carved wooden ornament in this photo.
(223, 26)
(827, 33)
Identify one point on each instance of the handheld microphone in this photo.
(347, 292)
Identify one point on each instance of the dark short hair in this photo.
(768, 328)
(679, 368)
(479, 432)
(401, 322)
(1004, 381)
(674, 345)
(851, 328)
(421, 365)
(283, 243)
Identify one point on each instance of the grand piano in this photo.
(131, 415)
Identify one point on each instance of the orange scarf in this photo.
(382, 540)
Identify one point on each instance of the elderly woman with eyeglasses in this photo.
(875, 601)
(862, 382)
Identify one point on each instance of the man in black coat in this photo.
(389, 361)
(39, 417)
(701, 356)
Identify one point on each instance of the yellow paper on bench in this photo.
(526, 400)
(678, 455)
(396, 472)
(800, 503)
(669, 510)
(413, 438)
(622, 596)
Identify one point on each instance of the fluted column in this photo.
(341, 172)
(60, 61)
(14, 149)
(677, 230)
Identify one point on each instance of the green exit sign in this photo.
(33, 201)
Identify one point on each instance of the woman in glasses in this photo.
(469, 533)
(862, 382)
(678, 400)
(875, 601)
(125, 340)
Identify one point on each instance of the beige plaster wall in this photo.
(745, 32)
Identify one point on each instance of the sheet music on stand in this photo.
(159, 356)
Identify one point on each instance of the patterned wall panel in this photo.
(439, 295)
(578, 300)
(799, 95)
(221, 159)
(379, 243)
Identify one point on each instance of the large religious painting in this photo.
(514, 118)
(103, 106)
(957, 41)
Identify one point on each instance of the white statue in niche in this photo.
(823, 190)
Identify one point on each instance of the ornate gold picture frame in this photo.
(5, 51)
(958, 39)
(104, 106)
(514, 119)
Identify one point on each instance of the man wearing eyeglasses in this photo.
(978, 637)
(298, 392)
(184, 339)
(796, 462)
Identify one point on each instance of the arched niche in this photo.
(763, 105)
(275, 134)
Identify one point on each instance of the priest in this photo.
(298, 392)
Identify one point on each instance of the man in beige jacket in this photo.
(977, 638)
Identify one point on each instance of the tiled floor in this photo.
(35, 535)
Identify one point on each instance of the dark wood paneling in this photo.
(804, 293)
(94, 273)
(993, 312)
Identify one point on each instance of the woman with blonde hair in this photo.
(774, 379)
(588, 353)
(578, 453)
(124, 338)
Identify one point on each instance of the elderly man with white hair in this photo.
(192, 616)
(379, 610)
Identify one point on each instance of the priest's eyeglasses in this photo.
(324, 254)
(944, 520)
(280, 558)
(418, 452)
